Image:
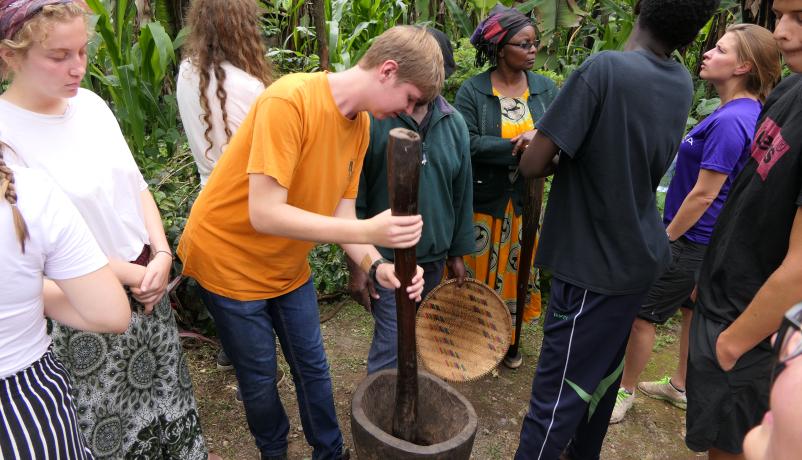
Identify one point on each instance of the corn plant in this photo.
(129, 66)
(287, 24)
(352, 26)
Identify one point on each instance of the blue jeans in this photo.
(248, 330)
(383, 353)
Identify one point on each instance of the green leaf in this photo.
(422, 7)
(361, 27)
(106, 31)
(460, 18)
(528, 6)
(484, 4)
(164, 54)
(181, 38)
(553, 14)
(707, 106)
(334, 35)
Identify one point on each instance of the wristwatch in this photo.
(375, 266)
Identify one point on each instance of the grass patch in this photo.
(668, 333)
(356, 318)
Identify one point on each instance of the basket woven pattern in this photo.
(462, 333)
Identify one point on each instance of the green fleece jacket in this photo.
(491, 154)
(444, 193)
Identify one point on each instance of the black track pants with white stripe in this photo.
(581, 361)
(37, 415)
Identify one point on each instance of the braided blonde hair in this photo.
(8, 192)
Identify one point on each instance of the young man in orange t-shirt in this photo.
(288, 179)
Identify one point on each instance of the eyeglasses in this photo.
(526, 46)
(788, 343)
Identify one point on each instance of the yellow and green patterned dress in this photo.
(495, 261)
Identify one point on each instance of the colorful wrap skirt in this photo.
(495, 261)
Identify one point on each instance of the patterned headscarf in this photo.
(14, 13)
(495, 31)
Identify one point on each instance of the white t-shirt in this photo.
(60, 247)
(241, 88)
(84, 153)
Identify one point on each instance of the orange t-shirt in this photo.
(295, 134)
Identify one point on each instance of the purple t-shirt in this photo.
(719, 143)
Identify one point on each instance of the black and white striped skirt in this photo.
(37, 415)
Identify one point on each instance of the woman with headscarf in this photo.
(500, 107)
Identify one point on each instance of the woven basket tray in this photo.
(462, 333)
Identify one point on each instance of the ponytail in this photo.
(8, 192)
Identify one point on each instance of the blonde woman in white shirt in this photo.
(133, 391)
(42, 235)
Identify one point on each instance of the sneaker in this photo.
(223, 362)
(663, 389)
(623, 401)
(513, 362)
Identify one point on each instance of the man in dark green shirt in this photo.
(445, 197)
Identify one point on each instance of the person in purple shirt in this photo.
(742, 67)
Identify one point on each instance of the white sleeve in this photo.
(70, 250)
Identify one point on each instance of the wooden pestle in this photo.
(403, 175)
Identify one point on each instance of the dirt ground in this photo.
(652, 430)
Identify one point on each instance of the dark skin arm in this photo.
(540, 157)
(362, 289)
(360, 286)
(456, 269)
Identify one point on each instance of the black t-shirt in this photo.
(751, 237)
(618, 121)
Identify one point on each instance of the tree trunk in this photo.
(319, 17)
(179, 10)
(758, 12)
(441, 16)
(144, 12)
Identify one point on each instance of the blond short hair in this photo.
(420, 61)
